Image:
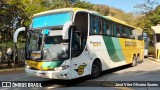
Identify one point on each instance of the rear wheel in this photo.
(96, 69)
(134, 62)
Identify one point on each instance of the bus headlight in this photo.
(27, 66)
(61, 67)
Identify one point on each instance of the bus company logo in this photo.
(95, 44)
(21, 84)
(80, 69)
(6, 84)
(130, 44)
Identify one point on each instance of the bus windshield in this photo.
(51, 46)
(33, 44)
(55, 48)
(51, 20)
(46, 47)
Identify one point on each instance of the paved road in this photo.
(146, 71)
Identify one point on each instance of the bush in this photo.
(151, 50)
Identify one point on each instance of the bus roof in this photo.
(60, 10)
(81, 9)
(121, 22)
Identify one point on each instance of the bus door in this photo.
(79, 57)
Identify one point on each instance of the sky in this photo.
(125, 5)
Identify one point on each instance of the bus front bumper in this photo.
(63, 74)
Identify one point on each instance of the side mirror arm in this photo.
(16, 33)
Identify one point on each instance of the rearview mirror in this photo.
(66, 27)
(16, 33)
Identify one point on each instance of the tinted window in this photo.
(158, 37)
(118, 33)
(96, 25)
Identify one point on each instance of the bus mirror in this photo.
(16, 33)
(66, 27)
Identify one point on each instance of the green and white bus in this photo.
(70, 43)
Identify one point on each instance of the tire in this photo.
(134, 62)
(96, 70)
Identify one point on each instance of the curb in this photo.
(153, 59)
(13, 69)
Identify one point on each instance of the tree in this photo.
(83, 4)
(150, 16)
(147, 6)
(102, 9)
(8, 20)
(28, 8)
(55, 4)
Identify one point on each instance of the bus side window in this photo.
(123, 32)
(96, 26)
(111, 28)
(127, 32)
(120, 30)
(108, 29)
(139, 35)
(104, 28)
(100, 26)
(114, 30)
(132, 36)
(118, 33)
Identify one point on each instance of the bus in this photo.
(156, 40)
(146, 44)
(70, 43)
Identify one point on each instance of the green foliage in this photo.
(83, 4)
(149, 19)
(102, 9)
(7, 44)
(154, 16)
(127, 17)
(151, 50)
(28, 8)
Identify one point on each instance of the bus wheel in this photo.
(96, 69)
(134, 62)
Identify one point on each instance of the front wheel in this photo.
(96, 69)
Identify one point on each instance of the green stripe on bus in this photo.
(118, 48)
(52, 64)
(114, 48)
(111, 49)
